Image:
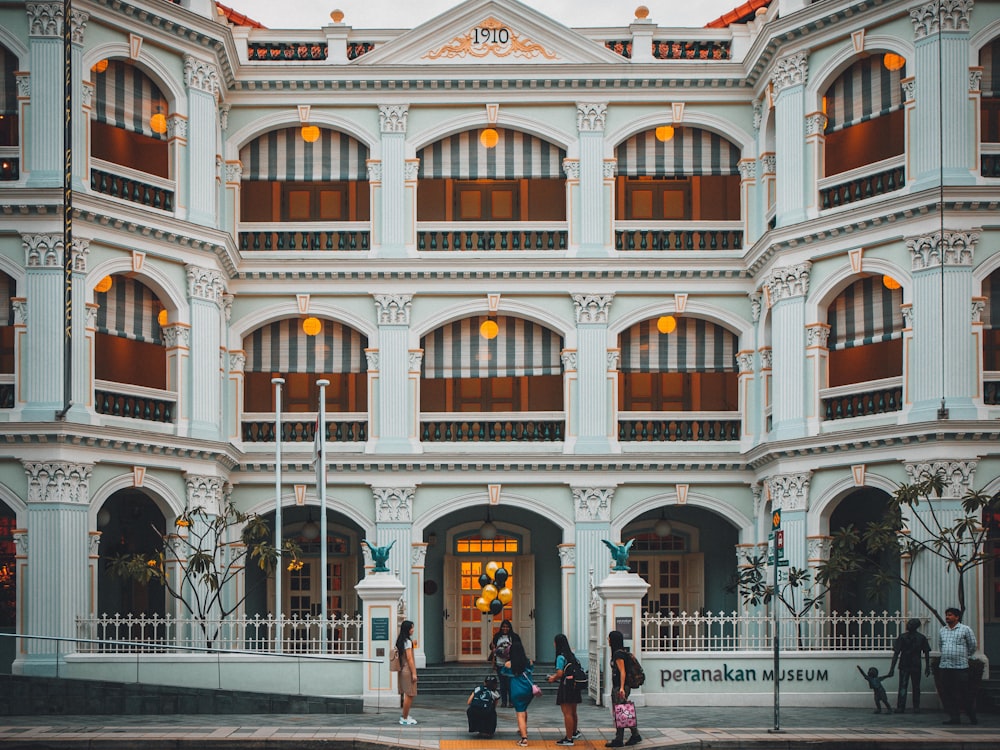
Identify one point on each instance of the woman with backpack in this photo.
(620, 689)
(519, 668)
(568, 694)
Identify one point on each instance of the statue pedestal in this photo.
(622, 594)
(380, 594)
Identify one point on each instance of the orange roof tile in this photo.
(741, 14)
(238, 19)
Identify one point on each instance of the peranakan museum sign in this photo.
(735, 679)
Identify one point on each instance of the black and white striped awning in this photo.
(284, 155)
(865, 313)
(463, 157)
(8, 290)
(691, 151)
(989, 59)
(521, 347)
(864, 91)
(127, 98)
(129, 309)
(694, 346)
(284, 347)
(8, 87)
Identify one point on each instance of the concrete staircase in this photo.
(453, 678)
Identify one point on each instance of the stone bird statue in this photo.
(619, 553)
(380, 555)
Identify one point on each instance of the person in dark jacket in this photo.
(482, 710)
(907, 651)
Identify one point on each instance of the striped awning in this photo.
(283, 346)
(865, 313)
(129, 309)
(127, 98)
(691, 151)
(8, 88)
(864, 91)
(457, 350)
(8, 290)
(989, 59)
(694, 346)
(284, 155)
(516, 155)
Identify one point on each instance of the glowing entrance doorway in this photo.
(467, 631)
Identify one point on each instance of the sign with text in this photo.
(624, 626)
(380, 628)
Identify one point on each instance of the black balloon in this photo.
(500, 577)
(496, 607)
(484, 580)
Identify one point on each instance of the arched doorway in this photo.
(130, 523)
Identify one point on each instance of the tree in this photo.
(211, 550)
(904, 533)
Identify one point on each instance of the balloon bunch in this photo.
(496, 593)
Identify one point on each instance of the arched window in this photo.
(989, 59)
(9, 151)
(866, 332)
(129, 340)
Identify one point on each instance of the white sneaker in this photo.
(410, 721)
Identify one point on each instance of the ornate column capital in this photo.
(392, 117)
(591, 116)
(204, 492)
(372, 358)
(55, 482)
(177, 127)
(42, 250)
(758, 115)
(818, 548)
(79, 252)
(206, 284)
(567, 555)
(393, 504)
(957, 247)
(941, 15)
(791, 70)
(756, 305)
(568, 358)
(416, 358)
(411, 170)
(977, 307)
(958, 475)
(788, 282)
(393, 309)
(769, 163)
(571, 168)
(817, 334)
(789, 491)
(909, 87)
(418, 555)
(975, 79)
(757, 491)
(614, 359)
(177, 336)
(816, 123)
(766, 358)
(237, 361)
(201, 75)
(374, 167)
(744, 360)
(593, 503)
(45, 19)
(748, 169)
(592, 308)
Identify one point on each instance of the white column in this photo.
(817, 373)
(592, 372)
(396, 403)
(204, 88)
(941, 88)
(394, 519)
(43, 353)
(58, 552)
(789, 79)
(392, 211)
(943, 340)
(592, 225)
(622, 593)
(380, 594)
(752, 214)
(205, 290)
(205, 493)
(787, 289)
(592, 507)
(789, 493)
(81, 386)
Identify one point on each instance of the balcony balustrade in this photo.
(678, 426)
(991, 388)
(989, 159)
(660, 236)
(869, 181)
(494, 236)
(339, 236)
(131, 185)
(134, 401)
(346, 427)
(494, 427)
(862, 399)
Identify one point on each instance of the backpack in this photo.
(482, 699)
(394, 665)
(634, 676)
(574, 675)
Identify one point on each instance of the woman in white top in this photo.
(407, 671)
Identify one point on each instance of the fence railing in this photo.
(665, 236)
(869, 181)
(323, 237)
(134, 401)
(491, 236)
(862, 399)
(673, 426)
(529, 427)
(131, 185)
(126, 634)
(344, 427)
(733, 632)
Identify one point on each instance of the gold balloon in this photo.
(489, 592)
(505, 595)
(491, 568)
(482, 605)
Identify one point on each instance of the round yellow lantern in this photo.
(310, 133)
(890, 283)
(103, 285)
(489, 329)
(489, 138)
(100, 66)
(161, 318)
(312, 326)
(664, 133)
(666, 324)
(158, 123)
(892, 61)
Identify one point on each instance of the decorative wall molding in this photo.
(788, 282)
(791, 70)
(206, 284)
(592, 309)
(789, 491)
(593, 503)
(201, 75)
(392, 117)
(949, 15)
(591, 116)
(958, 475)
(55, 482)
(958, 248)
(42, 250)
(393, 504)
(393, 309)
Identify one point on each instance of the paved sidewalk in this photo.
(442, 727)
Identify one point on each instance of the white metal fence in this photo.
(161, 634)
(836, 631)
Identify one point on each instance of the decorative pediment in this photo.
(489, 32)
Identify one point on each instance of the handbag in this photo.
(394, 665)
(535, 690)
(625, 715)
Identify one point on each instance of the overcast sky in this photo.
(405, 14)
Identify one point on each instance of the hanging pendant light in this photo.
(664, 133)
(488, 530)
(310, 529)
(158, 122)
(489, 329)
(666, 324)
(663, 527)
(489, 138)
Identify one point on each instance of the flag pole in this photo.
(277, 511)
(321, 492)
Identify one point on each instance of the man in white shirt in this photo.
(958, 644)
